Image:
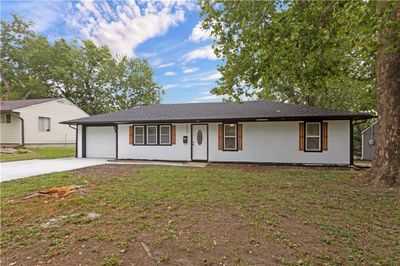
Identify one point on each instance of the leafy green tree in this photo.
(82, 72)
(19, 74)
(319, 53)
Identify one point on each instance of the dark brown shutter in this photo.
(173, 128)
(130, 134)
(325, 136)
(240, 137)
(220, 141)
(301, 136)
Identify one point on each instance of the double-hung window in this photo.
(165, 134)
(313, 136)
(230, 137)
(139, 135)
(151, 135)
(44, 124)
(5, 118)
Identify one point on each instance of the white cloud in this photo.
(199, 34)
(213, 76)
(188, 70)
(46, 15)
(205, 52)
(125, 25)
(208, 97)
(165, 65)
(170, 86)
(148, 54)
(169, 73)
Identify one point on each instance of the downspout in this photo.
(22, 130)
(351, 143)
(76, 139)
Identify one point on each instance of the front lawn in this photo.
(233, 215)
(50, 152)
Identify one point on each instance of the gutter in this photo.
(217, 120)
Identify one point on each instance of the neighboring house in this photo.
(369, 137)
(252, 132)
(37, 121)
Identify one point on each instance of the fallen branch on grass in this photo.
(56, 192)
(146, 248)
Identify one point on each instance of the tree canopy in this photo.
(304, 52)
(86, 74)
(338, 54)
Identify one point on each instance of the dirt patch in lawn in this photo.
(146, 215)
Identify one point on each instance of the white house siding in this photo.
(100, 142)
(263, 142)
(11, 132)
(57, 111)
(177, 152)
(278, 142)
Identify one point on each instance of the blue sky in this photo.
(168, 33)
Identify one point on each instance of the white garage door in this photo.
(100, 142)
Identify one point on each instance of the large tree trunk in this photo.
(386, 164)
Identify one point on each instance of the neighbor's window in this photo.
(151, 134)
(230, 136)
(165, 134)
(5, 118)
(44, 124)
(313, 136)
(138, 135)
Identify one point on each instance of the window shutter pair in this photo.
(173, 134)
(324, 136)
(239, 136)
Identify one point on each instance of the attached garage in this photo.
(100, 142)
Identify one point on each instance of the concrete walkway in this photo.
(21, 169)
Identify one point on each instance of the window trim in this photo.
(170, 135)
(320, 136)
(44, 117)
(236, 137)
(147, 134)
(134, 135)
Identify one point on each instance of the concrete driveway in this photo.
(20, 169)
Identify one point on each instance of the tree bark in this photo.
(386, 163)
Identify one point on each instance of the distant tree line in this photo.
(86, 74)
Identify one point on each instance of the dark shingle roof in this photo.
(197, 112)
(12, 105)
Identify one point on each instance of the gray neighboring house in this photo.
(37, 122)
(369, 137)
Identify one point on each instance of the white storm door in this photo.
(199, 143)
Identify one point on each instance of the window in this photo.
(152, 135)
(5, 118)
(44, 124)
(165, 134)
(230, 137)
(313, 136)
(138, 134)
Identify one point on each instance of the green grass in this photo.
(40, 153)
(206, 216)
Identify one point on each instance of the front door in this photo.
(199, 143)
